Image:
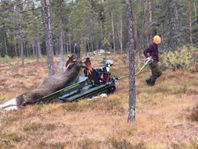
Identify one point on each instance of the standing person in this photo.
(152, 53)
(77, 49)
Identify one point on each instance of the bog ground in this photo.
(163, 113)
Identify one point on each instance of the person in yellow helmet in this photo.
(152, 53)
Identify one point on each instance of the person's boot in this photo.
(152, 80)
(148, 81)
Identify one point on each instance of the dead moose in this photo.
(48, 86)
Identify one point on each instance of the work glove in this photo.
(148, 58)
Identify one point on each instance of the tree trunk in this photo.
(21, 51)
(102, 34)
(173, 32)
(121, 34)
(33, 48)
(61, 38)
(38, 50)
(87, 47)
(15, 48)
(144, 35)
(35, 34)
(190, 20)
(48, 35)
(113, 30)
(61, 47)
(70, 45)
(195, 9)
(132, 96)
(136, 45)
(20, 32)
(67, 47)
(27, 47)
(5, 45)
(150, 10)
(92, 47)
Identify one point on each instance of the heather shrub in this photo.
(184, 58)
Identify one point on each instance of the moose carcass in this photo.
(48, 86)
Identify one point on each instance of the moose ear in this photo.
(70, 56)
(66, 63)
(87, 60)
(70, 60)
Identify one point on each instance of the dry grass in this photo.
(165, 114)
(111, 105)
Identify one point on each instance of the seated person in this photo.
(91, 73)
(106, 70)
(98, 75)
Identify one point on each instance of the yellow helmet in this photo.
(157, 39)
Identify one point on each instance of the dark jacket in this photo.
(152, 51)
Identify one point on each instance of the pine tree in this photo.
(48, 35)
(132, 96)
